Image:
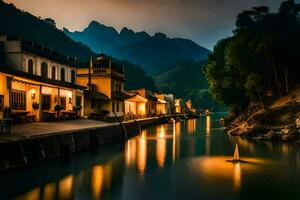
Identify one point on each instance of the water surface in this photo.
(185, 160)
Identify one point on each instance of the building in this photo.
(135, 106)
(165, 104)
(35, 79)
(161, 105)
(179, 106)
(151, 109)
(105, 80)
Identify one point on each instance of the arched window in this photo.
(73, 77)
(44, 70)
(62, 74)
(53, 74)
(30, 66)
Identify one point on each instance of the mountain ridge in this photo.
(154, 53)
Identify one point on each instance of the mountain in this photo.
(186, 79)
(154, 53)
(15, 22)
(18, 23)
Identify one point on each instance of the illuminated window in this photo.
(44, 70)
(30, 66)
(46, 102)
(18, 100)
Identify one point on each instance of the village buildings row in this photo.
(38, 84)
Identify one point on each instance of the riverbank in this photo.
(28, 145)
(278, 122)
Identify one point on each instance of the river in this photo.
(186, 160)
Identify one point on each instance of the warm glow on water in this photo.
(65, 187)
(186, 160)
(97, 181)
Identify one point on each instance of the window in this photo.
(1, 102)
(113, 106)
(53, 74)
(63, 102)
(44, 70)
(46, 102)
(73, 77)
(117, 107)
(78, 100)
(30, 66)
(18, 100)
(120, 87)
(62, 74)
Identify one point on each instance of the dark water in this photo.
(174, 161)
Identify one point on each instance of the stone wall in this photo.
(26, 152)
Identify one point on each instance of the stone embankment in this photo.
(27, 151)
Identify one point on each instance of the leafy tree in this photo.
(263, 55)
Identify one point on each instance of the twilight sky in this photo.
(203, 21)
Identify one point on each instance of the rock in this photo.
(297, 122)
(269, 135)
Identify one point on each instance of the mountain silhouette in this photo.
(154, 53)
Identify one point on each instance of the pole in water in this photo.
(236, 155)
(122, 125)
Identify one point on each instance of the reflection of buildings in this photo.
(161, 146)
(208, 124)
(136, 153)
(191, 126)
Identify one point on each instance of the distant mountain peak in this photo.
(160, 35)
(125, 30)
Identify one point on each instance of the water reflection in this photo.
(197, 155)
(65, 187)
(161, 146)
(31, 195)
(97, 181)
(191, 126)
(208, 124)
(142, 154)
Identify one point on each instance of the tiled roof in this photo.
(96, 95)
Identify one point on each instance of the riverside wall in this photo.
(26, 152)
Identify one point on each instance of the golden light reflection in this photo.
(208, 124)
(191, 126)
(236, 176)
(142, 154)
(218, 167)
(31, 195)
(130, 152)
(49, 191)
(65, 187)
(97, 181)
(174, 143)
(161, 146)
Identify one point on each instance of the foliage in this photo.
(261, 58)
(35, 106)
(58, 108)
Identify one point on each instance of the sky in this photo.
(203, 21)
